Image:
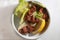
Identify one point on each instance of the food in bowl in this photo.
(33, 17)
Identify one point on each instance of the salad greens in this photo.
(21, 7)
(37, 14)
(23, 15)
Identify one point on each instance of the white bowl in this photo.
(16, 26)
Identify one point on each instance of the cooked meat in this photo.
(28, 18)
(45, 13)
(30, 28)
(45, 16)
(41, 10)
(21, 31)
(33, 8)
(31, 19)
(25, 30)
(37, 20)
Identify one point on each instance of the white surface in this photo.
(7, 32)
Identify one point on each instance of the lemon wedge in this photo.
(41, 27)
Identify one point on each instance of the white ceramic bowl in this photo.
(15, 21)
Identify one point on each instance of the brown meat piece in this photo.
(45, 13)
(29, 13)
(21, 31)
(41, 10)
(25, 30)
(44, 16)
(32, 19)
(32, 10)
(28, 18)
(30, 28)
(37, 20)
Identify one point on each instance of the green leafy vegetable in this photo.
(23, 15)
(37, 14)
(21, 6)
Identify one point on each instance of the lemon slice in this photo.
(41, 27)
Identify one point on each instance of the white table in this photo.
(8, 33)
